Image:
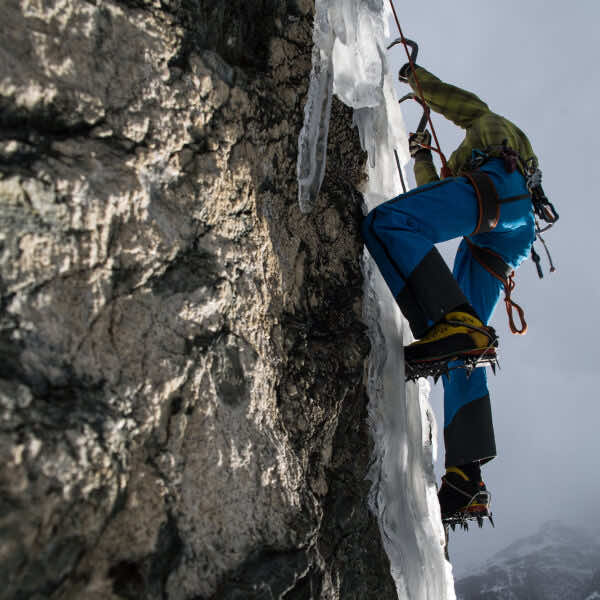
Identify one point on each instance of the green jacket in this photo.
(484, 128)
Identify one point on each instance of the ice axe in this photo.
(421, 127)
(414, 47)
(413, 54)
(412, 57)
(425, 118)
(423, 124)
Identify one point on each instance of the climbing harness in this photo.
(489, 212)
(510, 157)
(543, 209)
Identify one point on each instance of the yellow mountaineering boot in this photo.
(463, 496)
(458, 335)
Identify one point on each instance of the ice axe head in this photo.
(413, 54)
(425, 117)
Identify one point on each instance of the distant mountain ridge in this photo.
(557, 563)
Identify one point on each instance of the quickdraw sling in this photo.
(494, 264)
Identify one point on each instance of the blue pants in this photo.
(400, 235)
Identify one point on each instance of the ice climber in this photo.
(489, 204)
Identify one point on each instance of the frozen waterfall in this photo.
(349, 59)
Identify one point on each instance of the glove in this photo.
(405, 71)
(416, 141)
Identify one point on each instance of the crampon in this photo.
(436, 367)
(477, 510)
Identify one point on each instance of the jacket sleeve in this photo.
(424, 168)
(457, 105)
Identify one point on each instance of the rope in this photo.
(445, 169)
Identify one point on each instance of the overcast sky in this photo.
(533, 62)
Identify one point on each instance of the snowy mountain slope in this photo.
(557, 563)
(349, 59)
(592, 590)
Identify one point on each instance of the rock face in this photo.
(182, 404)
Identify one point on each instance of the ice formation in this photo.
(312, 142)
(349, 59)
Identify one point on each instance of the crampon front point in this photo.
(477, 510)
(436, 367)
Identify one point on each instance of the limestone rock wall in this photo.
(182, 405)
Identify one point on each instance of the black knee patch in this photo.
(430, 292)
(470, 436)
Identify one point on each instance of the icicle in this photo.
(312, 142)
(348, 59)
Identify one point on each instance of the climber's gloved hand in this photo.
(416, 141)
(405, 72)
